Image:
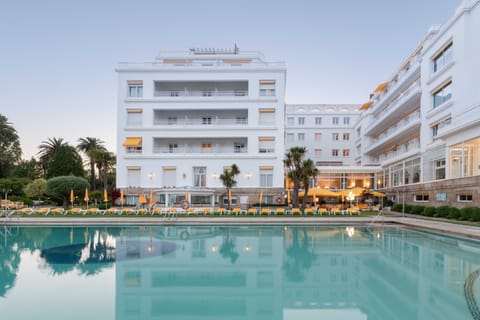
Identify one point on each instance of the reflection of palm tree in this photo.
(9, 262)
(299, 256)
(227, 250)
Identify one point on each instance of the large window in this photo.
(239, 147)
(346, 136)
(318, 136)
(199, 176)
(206, 147)
(346, 152)
(266, 116)
(318, 153)
(290, 137)
(266, 177)
(301, 136)
(334, 152)
(443, 94)
(133, 145)
(335, 120)
(266, 144)
(290, 121)
(133, 176)
(464, 159)
(346, 120)
(169, 176)
(318, 121)
(443, 57)
(335, 136)
(301, 121)
(135, 88)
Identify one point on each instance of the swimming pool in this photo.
(236, 272)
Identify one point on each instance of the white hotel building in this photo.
(187, 116)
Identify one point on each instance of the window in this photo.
(239, 147)
(346, 152)
(335, 120)
(244, 120)
(420, 198)
(290, 137)
(434, 132)
(318, 136)
(133, 176)
(199, 176)
(267, 88)
(266, 144)
(439, 168)
(169, 176)
(301, 136)
(266, 177)
(346, 120)
(266, 116)
(134, 117)
(133, 145)
(207, 120)
(318, 152)
(441, 196)
(335, 136)
(172, 120)
(443, 94)
(172, 148)
(318, 121)
(206, 147)
(301, 121)
(346, 136)
(443, 57)
(135, 88)
(290, 121)
(334, 152)
(464, 197)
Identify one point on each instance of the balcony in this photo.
(174, 89)
(405, 103)
(404, 151)
(205, 146)
(204, 117)
(401, 131)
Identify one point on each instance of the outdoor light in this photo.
(248, 176)
(350, 197)
(213, 248)
(150, 248)
(247, 248)
(350, 231)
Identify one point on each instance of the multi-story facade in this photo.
(187, 116)
(423, 125)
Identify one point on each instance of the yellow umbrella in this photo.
(288, 197)
(260, 197)
(86, 199)
(186, 195)
(105, 196)
(319, 192)
(377, 194)
(122, 196)
(152, 201)
(355, 191)
(229, 196)
(72, 197)
(142, 199)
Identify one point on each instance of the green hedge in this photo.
(465, 214)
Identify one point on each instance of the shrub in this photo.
(453, 213)
(442, 212)
(397, 207)
(408, 208)
(466, 213)
(417, 209)
(429, 211)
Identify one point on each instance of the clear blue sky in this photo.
(58, 57)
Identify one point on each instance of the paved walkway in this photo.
(438, 226)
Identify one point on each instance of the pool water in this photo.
(236, 272)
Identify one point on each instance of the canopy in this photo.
(380, 87)
(357, 192)
(319, 192)
(365, 106)
(377, 193)
(133, 142)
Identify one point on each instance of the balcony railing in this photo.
(200, 121)
(412, 145)
(201, 93)
(401, 125)
(198, 150)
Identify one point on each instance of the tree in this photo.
(36, 188)
(293, 163)
(87, 146)
(307, 172)
(105, 161)
(47, 150)
(31, 169)
(10, 151)
(228, 180)
(59, 187)
(65, 161)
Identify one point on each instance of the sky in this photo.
(58, 57)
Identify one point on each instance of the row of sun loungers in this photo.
(174, 211)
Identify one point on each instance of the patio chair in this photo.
(280, 211)
(58, 211)
(252, 211)
(296, 212)
(353, 210)
(335, 210)
(309, 211)
(44, 211)
(321, 211)
(236, 211)
(112, 210)
(265, 211)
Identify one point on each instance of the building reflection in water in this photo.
(180, 272)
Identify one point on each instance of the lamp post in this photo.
(350, 198)
(6, 192)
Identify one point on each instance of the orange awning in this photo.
(380, 87)
(133, 142)
(365, 106)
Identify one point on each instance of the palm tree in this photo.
(47, 150)
(87, 145)
(308, 171)
(293, 163)
(228, 180)
(10, 151)
(104, 160)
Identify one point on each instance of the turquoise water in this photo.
(236, 272)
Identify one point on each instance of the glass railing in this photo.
(200, 121)
(201, 93)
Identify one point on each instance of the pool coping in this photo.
(437, 226)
